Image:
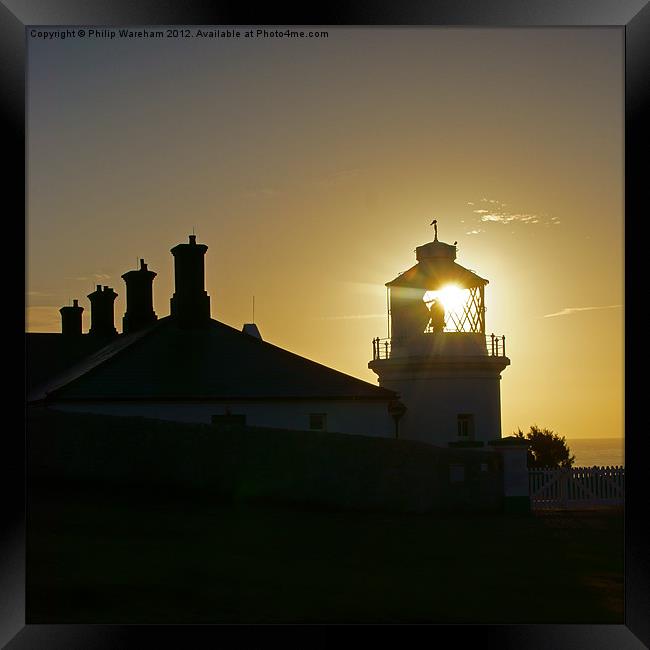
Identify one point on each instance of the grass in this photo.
(126, 557)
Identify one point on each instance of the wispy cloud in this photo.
(94, 276)
(353, 317)
(338, 177)
(42, 319)
(567, 311)
(262, 193)
(367, 288)
(494, 211)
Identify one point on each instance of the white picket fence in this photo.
(576, 487)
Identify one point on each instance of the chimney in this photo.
(190, 304)
(139, 299)
(101, 312)
(71, 319)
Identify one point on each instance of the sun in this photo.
(452, 297)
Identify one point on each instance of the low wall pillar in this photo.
(513, 450)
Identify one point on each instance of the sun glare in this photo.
(451, 296)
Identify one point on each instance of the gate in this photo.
(576, 487)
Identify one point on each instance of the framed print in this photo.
(286, 189)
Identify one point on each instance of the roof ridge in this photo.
(257, 341)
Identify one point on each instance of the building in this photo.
(189, 367)
(437, 357)
(439, 376)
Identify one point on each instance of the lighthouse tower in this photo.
(437, 356)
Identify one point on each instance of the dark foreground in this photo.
(123, 558)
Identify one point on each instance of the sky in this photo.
(312, 168)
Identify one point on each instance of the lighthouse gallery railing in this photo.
(495, 346)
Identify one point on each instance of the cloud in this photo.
(94, 276)
(507, 217)
(338, 177)
(493, 211)
(365, 288)
(476, 231)
(567, 311)
(42, 319)
(261, 193)
(353, 317)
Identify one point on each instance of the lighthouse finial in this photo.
(434, 223)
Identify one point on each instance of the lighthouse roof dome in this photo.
(436, 267)
(435, 250)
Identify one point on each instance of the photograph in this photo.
(325, 324)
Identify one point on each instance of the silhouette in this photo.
(71, 320)
(546, 448)
(190, 304)
(410, 313)
(437, 316)
(139, 299)
(434, 223)
(102, 323)
(443, 370)
(252, 330)
(186, 356)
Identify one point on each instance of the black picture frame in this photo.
(632, 16)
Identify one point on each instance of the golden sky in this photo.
(312, 169)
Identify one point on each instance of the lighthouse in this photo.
(437, 356)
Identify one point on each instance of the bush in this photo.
(546, 448)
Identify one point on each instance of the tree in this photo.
(546, 448)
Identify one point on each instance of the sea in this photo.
(601, 452)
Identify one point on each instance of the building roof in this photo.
(50, 354)
(165, 362)
(432, 274)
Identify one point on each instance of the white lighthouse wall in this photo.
(434, 403)
(364, 417)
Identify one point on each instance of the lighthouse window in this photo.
(466, 426)
(317, 421)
